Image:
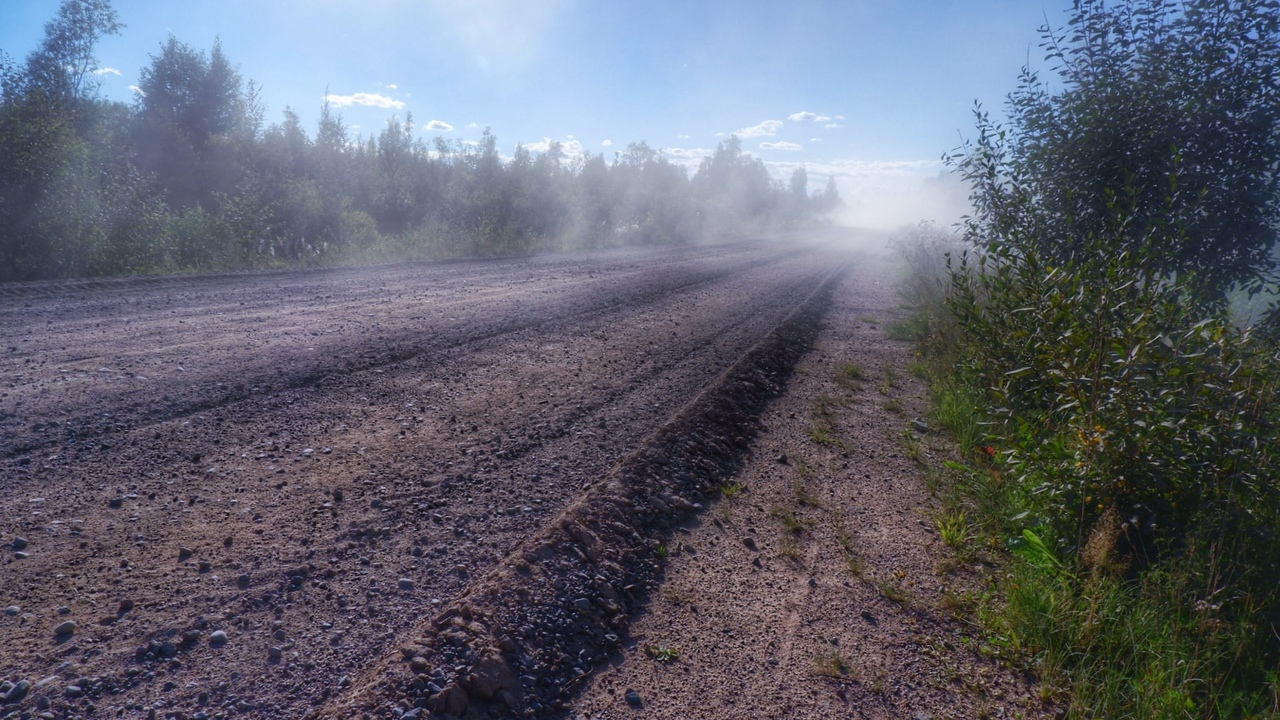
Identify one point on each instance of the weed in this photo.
(822, 436)
(849, 375)
(662, 653)
(893, 405)
(845, 539)
(953, 528)
(890, 380)
(893, 591)
(911, 446)
(804, 496)
(824, 423)
(731, 490)
(829, 663)
(791, 522)
(789, 547)
(662, 551)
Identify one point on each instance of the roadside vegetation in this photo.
(1118, 426)
(191, 177)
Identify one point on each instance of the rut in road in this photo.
(477, 402)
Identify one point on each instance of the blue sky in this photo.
(872, 92)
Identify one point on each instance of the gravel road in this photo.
(237, 491)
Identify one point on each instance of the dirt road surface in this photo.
(242, 495)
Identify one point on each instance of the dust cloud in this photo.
(891, 203)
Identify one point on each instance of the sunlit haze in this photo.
(872, 93)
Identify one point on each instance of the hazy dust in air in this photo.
(891, 203)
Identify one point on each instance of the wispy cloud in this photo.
(688, 152)
(393, 86)
(832, 126)
(689, 158)
(137, 91)
(107, 71)
(805, 116)
(781, 145)
(438, 126)
(768, 128)
(366, 99)
(607, 143)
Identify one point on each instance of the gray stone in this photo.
(218, 637)
(18, 691)
(19, 543)
(633, 699)
(65, 628)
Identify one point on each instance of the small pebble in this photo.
(275, 653)
(12, 610)
(405, 584)
(633, 698)
(750, 543)
(218, 637)
(19, 543)
(65, 628)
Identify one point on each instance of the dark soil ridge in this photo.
(521, 640)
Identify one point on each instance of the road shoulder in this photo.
(816, 587)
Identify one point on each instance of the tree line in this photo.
(191, 177)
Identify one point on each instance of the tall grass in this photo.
(1121, 440)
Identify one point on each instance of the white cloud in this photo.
(816, 117)
(768, 128)
(393, 86)
(815, 139)
(781, 145)
(366, 99)
(438, 126)
(607, 143)
(832, 126)
(571, 147)
(137, 91)
(107, 71)
(684, 137)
